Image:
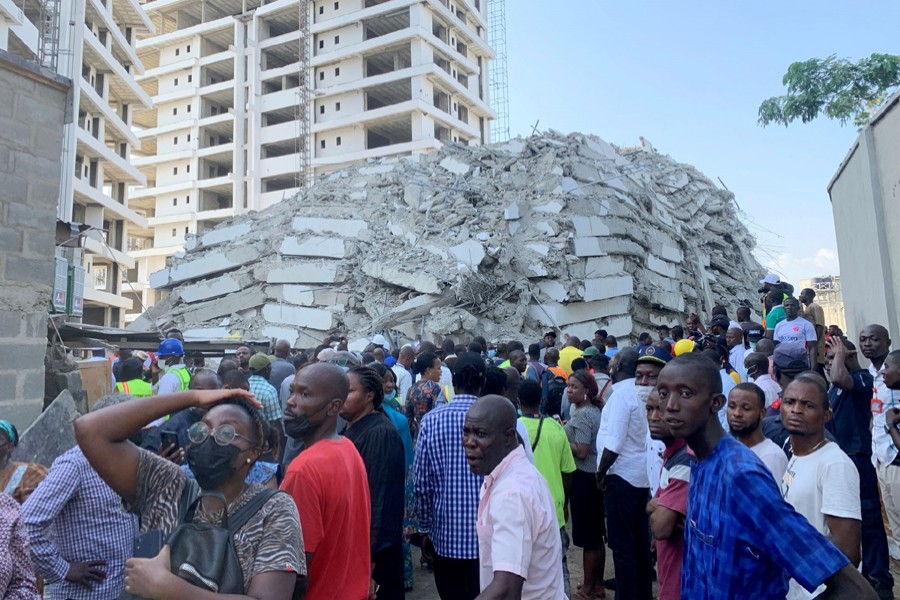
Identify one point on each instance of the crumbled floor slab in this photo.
(553, 231)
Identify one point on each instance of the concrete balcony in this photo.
(179, 65)
(184, 91)
(91, 100)
(159, 42)
(279, 165)
(99, 249)
(220, 152)
(159, 159)
(359, 15)
(153, 132)
(19, 25)
(124, 51)
(413, 147)
(122, 84)
(87, 195)
(95, 297)
(279, 133)
(153, 192)
(462, 29)
(113, 164)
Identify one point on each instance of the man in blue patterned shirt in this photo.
(742, 540)
(446, 489)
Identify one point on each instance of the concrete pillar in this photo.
(239, 164)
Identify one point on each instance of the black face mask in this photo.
(300, 426)
(211, 463)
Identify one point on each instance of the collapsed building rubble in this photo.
(552, 231)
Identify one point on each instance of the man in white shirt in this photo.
(734, 338)
(622, 473)
(795, 329)
(401, 372)
(745, 409)
(875, 344)
(820, 482)
(757, 366)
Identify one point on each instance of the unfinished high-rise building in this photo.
(92, 43)
(253, 98)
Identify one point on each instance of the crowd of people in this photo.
(725, 460)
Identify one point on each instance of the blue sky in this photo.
(689, 77)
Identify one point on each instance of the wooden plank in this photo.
(96, 378)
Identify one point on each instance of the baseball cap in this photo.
(771, 279)
(591, 351)
(258, 362)
(684, 347)
(654, 354)
(791, 357)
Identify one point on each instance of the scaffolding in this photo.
(499, 79)
(48, 49)
(301, 110)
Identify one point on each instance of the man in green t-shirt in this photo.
(774, 312)
(552, 458)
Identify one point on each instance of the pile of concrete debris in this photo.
(553, 231)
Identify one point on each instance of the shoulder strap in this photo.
(537, 436)
(603, 391)
(246, 512)
(189, 494)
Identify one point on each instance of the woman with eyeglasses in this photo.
(225, 445)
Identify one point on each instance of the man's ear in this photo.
(718, 401)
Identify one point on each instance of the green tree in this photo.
(836, 87)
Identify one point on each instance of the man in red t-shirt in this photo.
(668, 508)
(328, 483)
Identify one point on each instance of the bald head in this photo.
(205, 379)
(765, 346)
(325, 382)
(282, 348)
(489, 433)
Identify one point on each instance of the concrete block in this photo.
(576, 312)
(662, 267)
(280, 333)
(512, 212)
(204, 333)
(33, 383)
(13, 187)
(35, 324)
(469, 253)
(589, 226)
(23, 216)
(455, 166)
(551, 208)
(554, 290)
(538, 270)
(214, 262)
(513, 227)
(602, 288)
(30, 270)
(418, 281)
(42, 242)
(10, 240)
(672, 254)
(51, 434)
(8, 382)
(588, 246)
(303, 272)
(11, 325)
(159, 279)
(210, 288)
(320, 247)
(350, 228)
(515, 146)
(570, 186)
(601, 266)
(301, 316)
(545, 228)
(539, 248)
(301, 295)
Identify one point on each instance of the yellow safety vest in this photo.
(136, 387)
(184, 377)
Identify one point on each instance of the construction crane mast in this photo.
(499, 78)
(301, 111)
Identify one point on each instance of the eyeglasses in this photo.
(223, 434)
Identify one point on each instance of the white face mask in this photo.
(643, 392)
(752, 346)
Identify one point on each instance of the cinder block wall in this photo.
(33, 110)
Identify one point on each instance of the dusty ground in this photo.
(425, 590)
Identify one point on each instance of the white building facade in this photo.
(227, 130)
(92, 43)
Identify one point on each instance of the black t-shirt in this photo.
(851, 423)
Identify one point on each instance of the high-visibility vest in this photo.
(136, 387)
(184, 377)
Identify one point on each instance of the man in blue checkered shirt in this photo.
(80, 537)
(446, 489)
(742, 540)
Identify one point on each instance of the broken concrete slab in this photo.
(601, 288)
(469, 253)
(51, 434)
(344, 227)
(314, 247)
(419, 282)
(300, 316)
(303, 272)
(212, 288)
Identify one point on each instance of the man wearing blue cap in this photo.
(177, 377)
(651, 361)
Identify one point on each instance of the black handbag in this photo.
(203, 553)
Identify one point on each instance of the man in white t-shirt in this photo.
(401, 372)
(745, 409)
(821, 482)
(795, 329)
